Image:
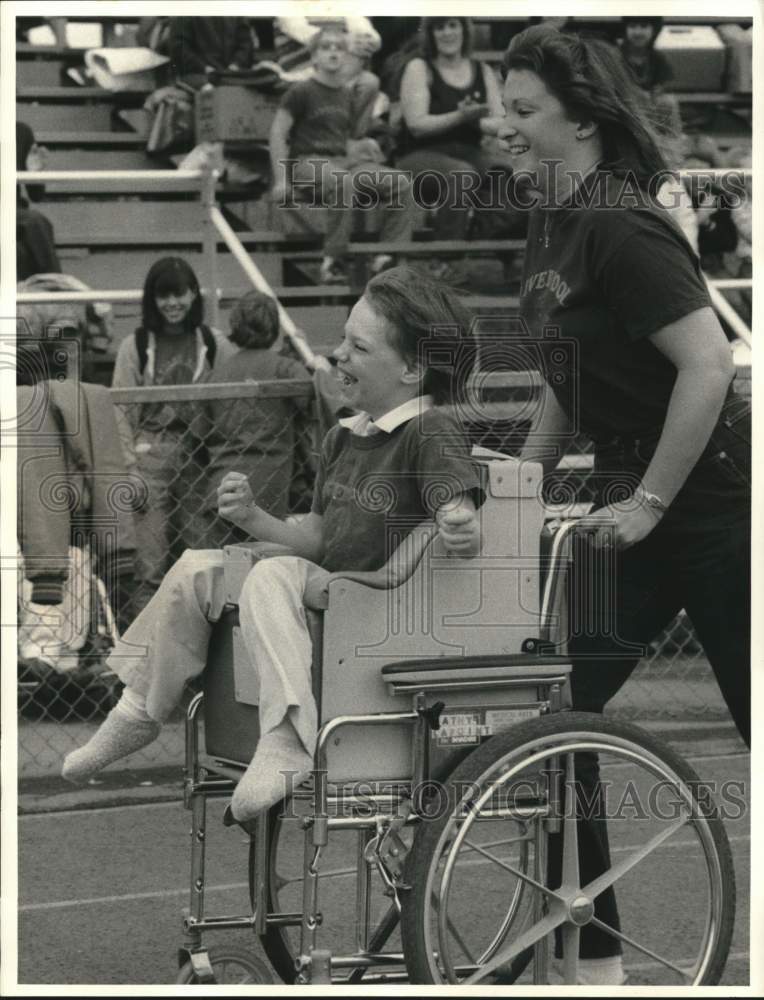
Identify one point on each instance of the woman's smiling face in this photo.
(536, 128)
(449, 37)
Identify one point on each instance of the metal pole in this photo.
(209, 246)
(722, 306)
(163, 178)
(254, 274)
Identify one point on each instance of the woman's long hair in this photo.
(591, 80)
(170, 274)
(429, 24)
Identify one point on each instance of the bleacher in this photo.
(108, 232)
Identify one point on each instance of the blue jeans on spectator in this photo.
(451, 161)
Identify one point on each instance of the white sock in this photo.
(118, 736)
(279, 765)
(133, 706)
(601, 971)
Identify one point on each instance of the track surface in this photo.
(101, 891)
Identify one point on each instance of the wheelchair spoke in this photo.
(535, 933)
(511, 869)
(570, 871)
(571, 936)
(608, 878)
(645, 951)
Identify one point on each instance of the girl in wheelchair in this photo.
(400, 461)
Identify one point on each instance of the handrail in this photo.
(88, 176)
(725, 310)
(198, 391)
(254, 274)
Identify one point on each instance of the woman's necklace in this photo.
(547, 228)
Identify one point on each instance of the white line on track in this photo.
(167, 893)
(126, 898)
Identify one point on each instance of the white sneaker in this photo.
(380, 263)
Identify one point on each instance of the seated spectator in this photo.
(154, 33)
(447, 102)
(650, 68)
(256, 437)
(317, 149)
(295, 37)
(363, 41)
(35, 239)
(198, 45)
(172, 346)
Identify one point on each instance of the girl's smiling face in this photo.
(375, 376)
(536, 128)
(174, 306)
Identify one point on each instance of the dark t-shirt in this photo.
(174, 364)
(255, 436)
(444, 98)
(372, 491)
(608, 278)
(323, 118)
(650, 69)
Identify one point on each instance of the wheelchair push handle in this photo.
(561, 533)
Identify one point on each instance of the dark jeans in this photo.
(440, 174)
(697, 558)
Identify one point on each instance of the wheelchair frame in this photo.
(384, 814)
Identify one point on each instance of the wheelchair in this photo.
(438, 839)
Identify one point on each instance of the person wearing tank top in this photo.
(448, 101)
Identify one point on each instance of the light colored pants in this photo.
(167, 643)
(342, 188)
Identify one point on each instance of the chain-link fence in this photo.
(180, 441)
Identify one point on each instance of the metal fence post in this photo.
(209, 247)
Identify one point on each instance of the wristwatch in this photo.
(651, 499)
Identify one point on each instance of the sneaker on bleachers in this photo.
(381, 263)
(332, 272)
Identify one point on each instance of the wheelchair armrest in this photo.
(239, 559)
(396, 571)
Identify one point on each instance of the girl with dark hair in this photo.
(172, 346)
(620, 323)
(445, 98)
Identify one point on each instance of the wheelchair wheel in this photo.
(230, 966)
(669, 861)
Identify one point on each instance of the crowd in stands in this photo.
(384, 108)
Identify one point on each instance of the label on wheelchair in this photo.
(468, 726)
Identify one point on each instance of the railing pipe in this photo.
(209, 245)
(88, 176)
(254, 274)
(725, 310)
